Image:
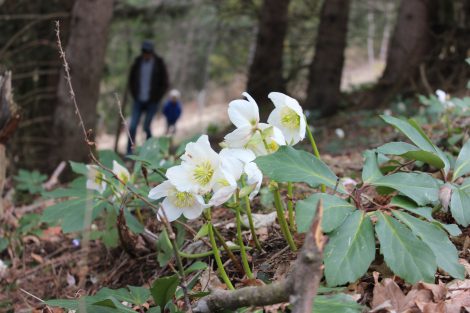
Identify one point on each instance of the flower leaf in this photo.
(462, 165)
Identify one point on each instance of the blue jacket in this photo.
(172, 111)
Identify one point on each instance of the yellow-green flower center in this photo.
(273, 146)
(99, 178)
(289, 118)
(123, 177)
(183, 199)
(203, 173)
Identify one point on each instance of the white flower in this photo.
(267, 140)
(244, 113)
(3, 269)
(288, 117)
(254, 178)
(199, 168)
(232, 168)
(177, 202)
(121, 172)
(388, 112)
(339, 132)
(443, 98)
(95, 179)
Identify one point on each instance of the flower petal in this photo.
(239, 137)
(161, 190)
(172, 212)
(193, 211)
(243, 113)
(180, 177)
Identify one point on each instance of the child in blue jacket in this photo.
(172, 111)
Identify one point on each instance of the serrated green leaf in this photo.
(435, 238)
(337, 303)
(70, 213)
(462, 165)
(350, 250)
(421, 188)
(335, 211)
(412, 130)
(291, 165)
(426, 212)
(163, 289)
(411, 152)
(406, 255)
(371, 170)
(460, 206)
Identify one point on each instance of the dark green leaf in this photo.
(460, 206)
(406, 255)
(445, 252)
(163, 289)
(462, 165)
(337, 303)
(291, 165)
(421, 188)
(350, 250)
(335, 211)
(411, 152)
(371, 170)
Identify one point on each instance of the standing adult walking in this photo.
(148, 82)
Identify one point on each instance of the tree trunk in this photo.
(265, 72)
(85, 53)
(325, 72)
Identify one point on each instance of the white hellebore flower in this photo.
(177, 202)
(95, 179)
(244, 113)
(266, 141)
(245, 116)
(232, 168)
(288, 117)
(443, 98)
(254, 178)
(339, 133)
(199, 169)
(121, 172)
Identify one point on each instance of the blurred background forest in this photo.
(335, 55)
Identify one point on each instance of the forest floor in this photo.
(55, 265)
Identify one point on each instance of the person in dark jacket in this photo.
(148, 82)
(172, 111)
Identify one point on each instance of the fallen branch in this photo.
(299, 288)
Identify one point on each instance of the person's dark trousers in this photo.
(138, 109)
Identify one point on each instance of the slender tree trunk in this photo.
(323, 91)
(85, 53)
(370, 33)
(387, 30)
(265, 72)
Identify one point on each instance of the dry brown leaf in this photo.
(210, 281)
(37, 258)
(282, 270)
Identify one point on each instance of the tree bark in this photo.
(85, 54)
(325, 72)
(266, 71)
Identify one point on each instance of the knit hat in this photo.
(147, 46)
(174, 93)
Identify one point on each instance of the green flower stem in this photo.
(217, 258)
(245, 263)
(246, 199)
(203, 254)
(314, 147)
(139, 215)
(290, 206)
(232, 256)
(282, 219)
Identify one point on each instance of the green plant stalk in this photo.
(246, 199)
(232, 256)
(245, 263)
(203, 254)
(282, 220)
(138, 212)
(290, 206)
(217, 258)
(314, 147)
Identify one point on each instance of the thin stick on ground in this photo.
(299, 288)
